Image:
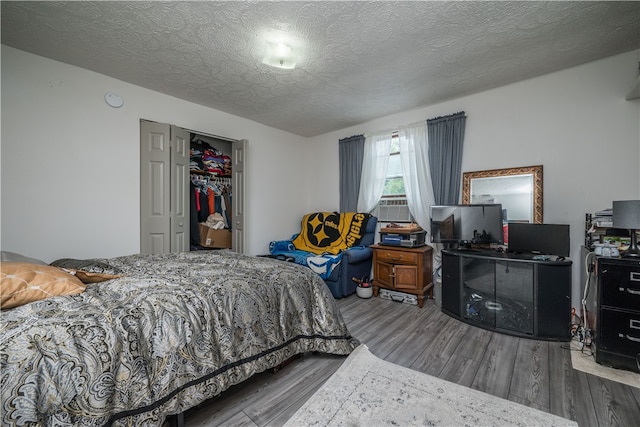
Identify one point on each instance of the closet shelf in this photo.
(207, 173)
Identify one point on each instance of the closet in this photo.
(184, 174)
(210, 192)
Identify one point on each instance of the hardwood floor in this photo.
(534, 373)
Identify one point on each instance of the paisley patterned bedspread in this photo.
(176, 330)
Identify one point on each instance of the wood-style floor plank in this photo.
(406, 346)
(270, 406)
(532, 385)
(609, 397)
(440, 346)
(460, 370)
(534, 373)
(474, 343)
(585, 410)
(496, 368)
(561, 383)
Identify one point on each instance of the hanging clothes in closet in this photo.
(210, 188)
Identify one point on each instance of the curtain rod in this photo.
(450, 116)
(395, 130)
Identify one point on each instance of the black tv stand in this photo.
(508, 293)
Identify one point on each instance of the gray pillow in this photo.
(14, 257)
(88, 270)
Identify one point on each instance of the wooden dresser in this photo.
(403, 269)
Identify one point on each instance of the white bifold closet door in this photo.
(164, 185)
(164, 189)
(238, 160)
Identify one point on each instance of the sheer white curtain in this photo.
(414, 156)
(374, 169)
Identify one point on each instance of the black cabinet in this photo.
(512, 294)
(616, 320)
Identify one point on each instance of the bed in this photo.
(167, 333)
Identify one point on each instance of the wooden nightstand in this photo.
(403, 269)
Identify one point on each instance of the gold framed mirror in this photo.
(518, 190)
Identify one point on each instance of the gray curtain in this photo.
(351, 154)
(446, 137)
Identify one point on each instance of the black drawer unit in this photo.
(620, 284)
(617, 330)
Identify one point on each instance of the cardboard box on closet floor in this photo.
(212, 238)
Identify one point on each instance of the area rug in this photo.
(369, 391)
(583, 360)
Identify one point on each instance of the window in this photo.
(393, 207)
(394, 183)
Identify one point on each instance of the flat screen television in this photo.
(464, 225)
(546, 239)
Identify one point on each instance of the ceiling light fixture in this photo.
(279, 55)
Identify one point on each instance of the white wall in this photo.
(576, 123)
(70, 163)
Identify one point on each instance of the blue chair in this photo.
(354, 262)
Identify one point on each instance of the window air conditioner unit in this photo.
(393, 210)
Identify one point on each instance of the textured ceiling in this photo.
(357, 60)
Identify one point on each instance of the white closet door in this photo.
(238, 160)
(155, 193)
(164, 188)
(180, 146)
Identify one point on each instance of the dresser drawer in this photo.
(620, 285)
(396, 257)
(620, 331)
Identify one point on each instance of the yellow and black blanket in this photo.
(331, 232)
